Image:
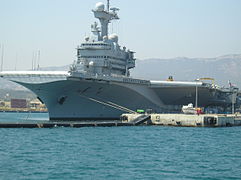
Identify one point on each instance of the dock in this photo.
(181, 120)
(189, 120)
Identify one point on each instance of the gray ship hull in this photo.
(90, 100)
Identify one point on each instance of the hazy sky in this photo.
(153, 29)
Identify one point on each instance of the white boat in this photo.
(189, 109)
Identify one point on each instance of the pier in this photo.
(67, 124)
(189, 120)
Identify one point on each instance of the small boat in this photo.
(189, 109)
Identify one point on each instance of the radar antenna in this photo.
(108, 5)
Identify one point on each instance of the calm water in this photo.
(152, 152)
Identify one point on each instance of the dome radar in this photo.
(114, 38)
(100, 6)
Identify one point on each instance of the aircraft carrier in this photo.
(98, 85)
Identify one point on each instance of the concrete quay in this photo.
(185, 120)
(189, 120)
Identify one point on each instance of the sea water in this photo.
(138, 152)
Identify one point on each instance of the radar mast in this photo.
(108, 5)
(105, 16)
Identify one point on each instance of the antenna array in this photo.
(108, 5)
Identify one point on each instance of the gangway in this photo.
(141, 119)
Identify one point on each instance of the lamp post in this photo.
(234, 95)
(233, 103)
(196, 99)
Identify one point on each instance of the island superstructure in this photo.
(99, 86)
(101, 54)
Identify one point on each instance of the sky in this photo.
(153, 29)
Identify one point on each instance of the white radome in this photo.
(114, 37)
(100, 6)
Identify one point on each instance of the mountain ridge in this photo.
(222, 69)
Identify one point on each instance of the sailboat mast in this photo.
(38, 60)
(2, 57)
